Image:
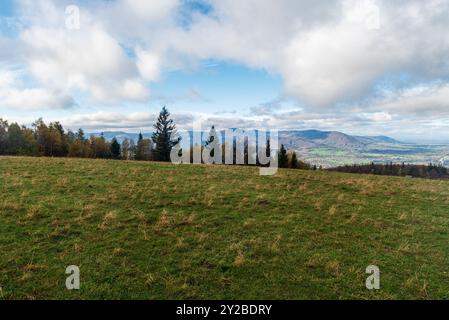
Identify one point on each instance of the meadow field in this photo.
(142, 230)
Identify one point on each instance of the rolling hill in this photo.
(291, 138)
(333, 148)
(140, 230)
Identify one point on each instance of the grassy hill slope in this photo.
(157, 231)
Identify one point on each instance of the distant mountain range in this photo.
(292, 138)
(119, 135)
(334, 139)
(333, 148)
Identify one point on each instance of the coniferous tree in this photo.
(115, 149)
(3, 136)
(165, 129)
(293, 160)
(283, 157)
(268, 148)
(267, 153)
(140, 148)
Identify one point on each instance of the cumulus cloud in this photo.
(431, 100)
(106, 120)
(148, 64)
(89, 60)
(14, 95)
(325, 58)
(330, 56)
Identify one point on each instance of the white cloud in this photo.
(431, 100)
(148, 64)
(133, 90)
(325, 59)
(106, 120)
(329, 54)
(36, 98)
(147, 11)
(377, 116)
(89, 60)
(14, 95)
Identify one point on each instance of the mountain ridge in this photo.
(305, 135)
(335, 148)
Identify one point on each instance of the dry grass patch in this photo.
(108, 220)
(239, 260)
(275, 244)
(9, 206)
(313, 262)
(332, 210)
(34, 212)
(163, 222)
(333, 267)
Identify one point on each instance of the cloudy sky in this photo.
(362, 67)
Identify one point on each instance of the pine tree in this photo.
(283, 157)
(162, 137)
(139, 148)
(267, 152)
(115, 149)
(3, 136)
(293, 160)
(268, 148)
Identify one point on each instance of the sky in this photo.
(366, 67)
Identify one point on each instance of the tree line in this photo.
(52, 140)
(430, 171)
(286, 159)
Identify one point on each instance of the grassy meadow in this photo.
(141, 230)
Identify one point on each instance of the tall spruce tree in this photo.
(294, 161)
(267, 151)
(165, 129)
(115, 149)
(3, 136)
(283, 157)
(139, 148)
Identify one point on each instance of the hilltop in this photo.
(142, 230)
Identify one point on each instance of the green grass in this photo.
(160, 231)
